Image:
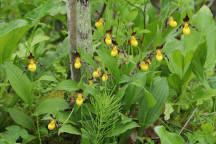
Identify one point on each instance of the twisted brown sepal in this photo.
(150, 55)
(194, 27)
(160, 47)
(133, 34)
(114, 42)
(77, 55)
(166, 56)
(79, 91)
(51, 115)
(72, 101)
(186, 19)
(30, 56)
(109, 31)
(138, 66)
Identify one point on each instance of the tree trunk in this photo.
(84, 26)
(79, 31)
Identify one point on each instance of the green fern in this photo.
(100, 117)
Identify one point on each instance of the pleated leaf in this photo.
(21, 118)
(51, 106)
(20, 83)
(168, 137)
(160, 91)
(10, 34)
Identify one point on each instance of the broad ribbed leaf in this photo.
(146, 103)
(199, 61)
(176, 63)
(68, 128)
(131, 95)
(160, 91)
(38, 39)
(212, 82)
(48, 7)
(167, 137)
(13, 133)
(51, 106)
(47, 78)
(67, 85)
(201, 93)
(121, 128)
(135, 90)
(110, 62)
(20, 83)
(10, 34)
(88, 58)
(204, 21)
(21, 118)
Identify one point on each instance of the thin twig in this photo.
(101, 11)
(211, 3)
(173, 12)
(149, 45)
(165, 24)
(113, 16)
(188, 119)
(68, 117)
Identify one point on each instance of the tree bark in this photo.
(79, 31)
(84, 26)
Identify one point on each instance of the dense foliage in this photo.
(150, 79)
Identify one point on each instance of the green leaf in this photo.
(135, 90)
(110, 62)
(47, 78)
(212, 82)
(91, 90)
(145, 104)
(177, 63)
(48, 7)
(21, 118)
(187, 61)
(68, 128)
(10, 34)
(204, 19)
(62, 116)
(168, 110)
(201, 93)
(88, 58)
(51, 106)
(211, 50)
(39, 38)
(125, 119)
(167, 137)
(13, 133)
(121, 128)
(199, 61)
(204, 135)
(67, 85)
(20, 83)
(205, 22)
(124, 79)
(208, 128)
(121, 91)
(63, 49)
(132, 95)
(160, 91)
